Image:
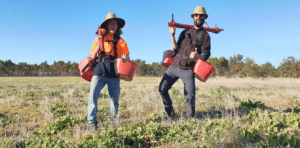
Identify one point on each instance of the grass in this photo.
(235, 112)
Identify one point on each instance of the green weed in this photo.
(59, 109)
(174, 92)
(60, 125)
(249, 105)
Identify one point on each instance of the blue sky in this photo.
(37, 31)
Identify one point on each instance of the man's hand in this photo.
(172, 31)
(102, 31)
(194, 54)
(98, 47)
(125, 58)
(94, 53)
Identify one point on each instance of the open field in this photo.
(231, 112)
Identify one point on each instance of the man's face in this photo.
(112, 26)
(199, 20)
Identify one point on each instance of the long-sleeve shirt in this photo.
(187, 42)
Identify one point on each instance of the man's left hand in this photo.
(125, 58)
(194, 54)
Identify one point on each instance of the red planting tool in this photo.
(100, 41)
(177, 25)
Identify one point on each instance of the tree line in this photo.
(239, 67)
(235, 66)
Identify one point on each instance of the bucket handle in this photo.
(86, 66)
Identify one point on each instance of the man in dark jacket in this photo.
(192, 44)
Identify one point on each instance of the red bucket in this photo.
(125, 70)
(167, 58)
(85, 68)
(203, 70)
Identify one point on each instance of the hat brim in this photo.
(192, 15)
(121, 22)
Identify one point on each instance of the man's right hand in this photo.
(95, 54)
(102, 31)
(194, 54)
(172, 31)
(98, 46)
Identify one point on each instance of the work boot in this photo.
(112, 119)
(92, 126)
(173, 116)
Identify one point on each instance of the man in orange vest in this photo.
(104, 66)
(192, 44)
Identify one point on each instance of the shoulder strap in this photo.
(200, 35)
(187, 33)
(115, 42)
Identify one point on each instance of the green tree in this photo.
(236, 64)
(221, 65)
(142, 67)
(44, 66)
(58, 68)
(74, 69)
(267, 70)
(295, 70)
(9, 67)
(23, 69)
(288, 68)
(236, 59)
(1, 67)
(250, 69)
(154, 69)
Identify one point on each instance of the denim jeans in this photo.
(97, 83)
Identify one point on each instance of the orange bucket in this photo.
(85, 68)
(167, 58)
(125, 70)
(203, 70)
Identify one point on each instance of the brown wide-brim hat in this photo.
(199, 10)
(109, 16)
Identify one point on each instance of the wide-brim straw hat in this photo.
(109, 16)
(199, 10)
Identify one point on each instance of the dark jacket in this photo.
(187, 42)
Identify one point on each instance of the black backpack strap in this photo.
(188, 33)
(115, 42)
(202, 33)
(200, 36)
(178, 48)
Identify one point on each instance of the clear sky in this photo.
(35, 31)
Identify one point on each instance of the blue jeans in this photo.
(97, 83)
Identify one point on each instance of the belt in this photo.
(185, 57)
(105, 61)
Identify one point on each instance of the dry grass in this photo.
(29, 104)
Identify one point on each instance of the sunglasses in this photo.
(199, 15)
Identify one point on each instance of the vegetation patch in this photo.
(229, 113)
